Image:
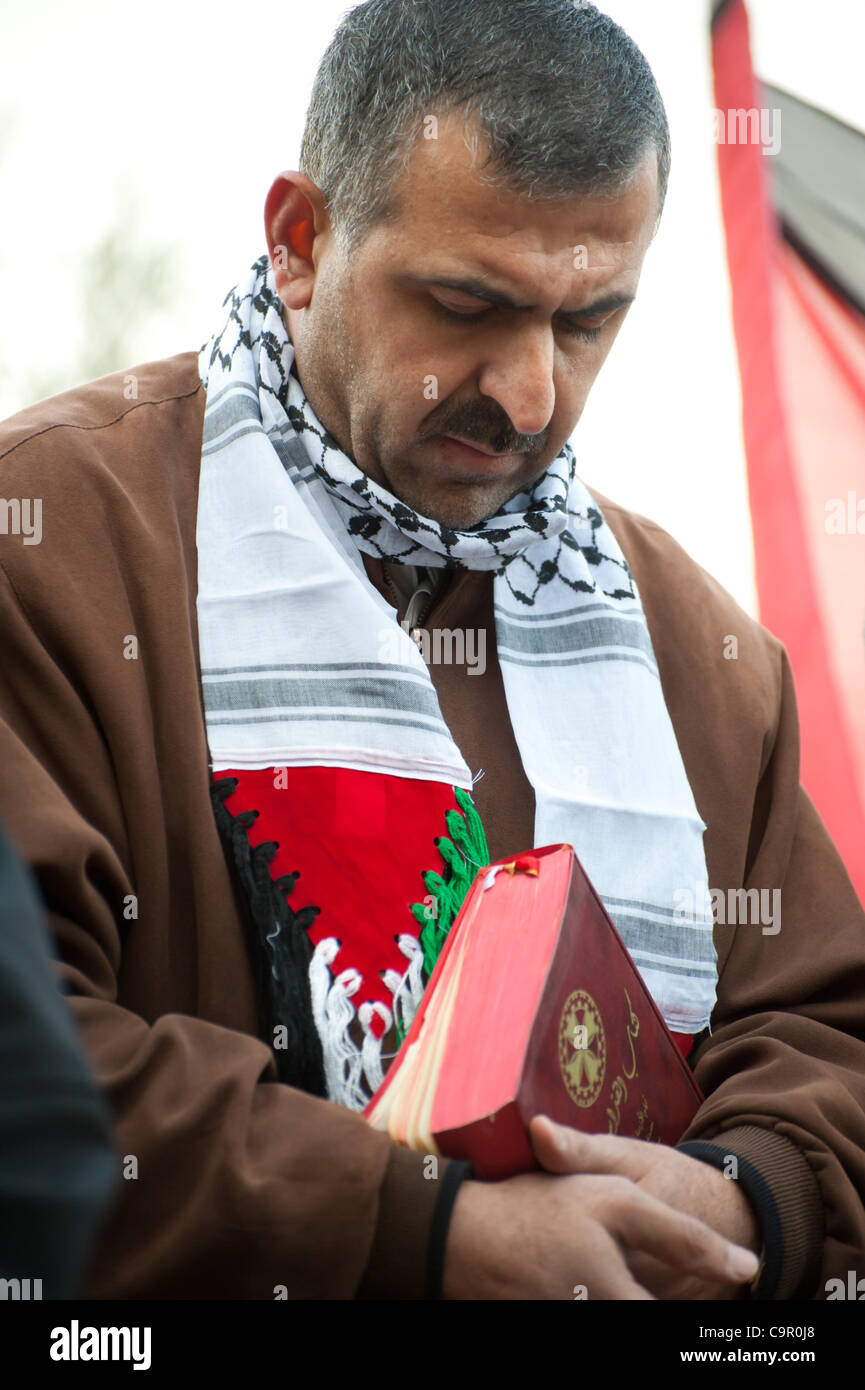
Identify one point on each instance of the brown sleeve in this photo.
(410, 1210)
(784, 1067)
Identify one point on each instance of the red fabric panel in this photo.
(822, 347)
(839, 329)
(360, 841)
(789, 604)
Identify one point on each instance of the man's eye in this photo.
(459, 314)
(574, 330)
(580, 330)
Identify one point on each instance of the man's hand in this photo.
(541, 1236)
(682, 1182)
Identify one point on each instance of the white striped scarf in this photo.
(303, 662)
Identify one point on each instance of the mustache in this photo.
(477, 425)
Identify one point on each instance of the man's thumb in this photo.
(560, 1149)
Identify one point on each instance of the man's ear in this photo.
(294, 217)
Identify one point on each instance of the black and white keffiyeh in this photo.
(303, 661)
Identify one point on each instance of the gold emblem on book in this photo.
(582, 1048)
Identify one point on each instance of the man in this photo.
(383, 414)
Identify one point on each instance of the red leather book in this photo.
(534, 1007)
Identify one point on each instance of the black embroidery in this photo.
(278, 947)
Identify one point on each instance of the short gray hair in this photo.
(565, 98)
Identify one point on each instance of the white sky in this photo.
(196, 105)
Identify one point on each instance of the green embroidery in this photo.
(464, 853)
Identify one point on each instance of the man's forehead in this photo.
(464, 225)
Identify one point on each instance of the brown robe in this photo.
(240, 1185)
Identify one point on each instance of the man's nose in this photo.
(519, 377)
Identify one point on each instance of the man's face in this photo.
(480, 314)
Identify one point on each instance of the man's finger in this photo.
(559, 1149)
(667, 1283)
(683, 1242)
